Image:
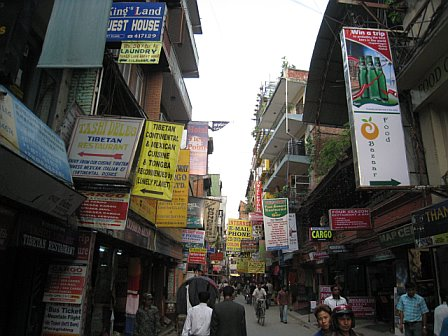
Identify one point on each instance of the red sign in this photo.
(65, 283)
(258, 196)
(197, 255)
(106, 210)
(249, 245)
(363, 306)
(349, 219)
(217, 256)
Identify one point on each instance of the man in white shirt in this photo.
(259, 293)
(198, 318)
(335, 299)
(440, 312)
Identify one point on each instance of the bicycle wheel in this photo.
(262, 315)
(261, 320)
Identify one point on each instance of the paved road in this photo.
(272, 324)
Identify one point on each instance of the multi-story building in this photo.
(406, 239)
(56, 65)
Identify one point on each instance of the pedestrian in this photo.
(323, 317)
(444, 329)
(335, 299)
(412, 310)
(198, 318)
(258, 293)
(343, 321)
(282, 301)
(147, 320)
(440, 313)
(228, 317)
(269, 292)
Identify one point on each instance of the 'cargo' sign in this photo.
(321, 234)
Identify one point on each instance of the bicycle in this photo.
(261, 311)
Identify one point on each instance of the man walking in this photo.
(269, 291)
(335, 299)
(440, 313)
(198, 318)
(412, 310)
(147, 320)
(282, 300)
(228, 317)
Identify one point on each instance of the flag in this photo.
(217, 125)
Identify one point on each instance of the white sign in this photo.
(372, 98)
(62, 319)
(293, 240)
(104, 148)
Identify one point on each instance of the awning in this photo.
(27, 184)
(76, 34)
(325, 99)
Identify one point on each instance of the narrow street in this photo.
(272, 324)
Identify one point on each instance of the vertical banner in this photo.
(258, 195)
(372, 98)
(157, 164)
(211, 215)
(275, 219)
(197, 143)
(293, 241)
(195, 217)
(174, 213)
(237, 230)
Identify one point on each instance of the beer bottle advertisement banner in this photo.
(374, 111)
(157, 163)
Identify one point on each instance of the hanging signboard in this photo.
(321, 234)
(374, 111)
(104, 148)
(237, 230)
(157, 163)
(211, 215)
(197, 255)
(275, 219)
(349, 219)
(136, 21)
(193, 238)
(65, 283)
(25, 134)
(140, 52)
(197, 143)
(106, 210)
(293, 241)
(174, 213)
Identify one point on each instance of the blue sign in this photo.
(22, 131)
(136, 21)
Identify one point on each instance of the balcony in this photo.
(290, 126)
(291, 160)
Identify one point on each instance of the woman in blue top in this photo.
(323, 317)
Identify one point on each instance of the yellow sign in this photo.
(237, 229)
(145, 207)
(254, 266)
(242, 265)
(174, 213)
(140, 52)
(157, 164)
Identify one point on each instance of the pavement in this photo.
(364, 327)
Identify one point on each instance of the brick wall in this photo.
(153, 95)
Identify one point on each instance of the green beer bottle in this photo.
(381, 80)
(374, 90)
(362, 76)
